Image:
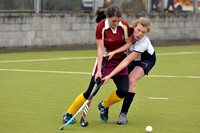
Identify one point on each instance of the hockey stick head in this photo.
(61, 128)
(84, 124)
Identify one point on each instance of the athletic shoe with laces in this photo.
(67, 117)
(122, 119)
(104, 112)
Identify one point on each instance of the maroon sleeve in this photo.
(99, 30)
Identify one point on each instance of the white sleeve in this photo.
(141, 45)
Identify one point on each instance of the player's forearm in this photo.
(121, 66)
(99, 60)
(124, 63)
(100, 52)
(124, 47)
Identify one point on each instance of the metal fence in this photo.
(17, 5)
(127, 6)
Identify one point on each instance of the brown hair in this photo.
(110, 12)
(143, 21)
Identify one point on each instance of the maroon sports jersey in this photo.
(113, 39)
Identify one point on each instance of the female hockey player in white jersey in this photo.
(140, 60)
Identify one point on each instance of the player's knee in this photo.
(132, 85)
(122, 93)
(132, 82)
(86, 95)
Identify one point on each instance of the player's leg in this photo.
(134, 76)
(136, 71)
(116, 96)
(78, 102)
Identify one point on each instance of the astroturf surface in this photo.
(36, 88)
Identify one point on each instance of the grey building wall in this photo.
(64, 29)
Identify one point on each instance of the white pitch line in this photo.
(43, 71)
(73, 58)
(160, 98)
(170, 76)
(178, 53)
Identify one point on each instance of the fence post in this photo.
(148, 5)
(195, 5)
(37, 6)
(95, 5)
(162, 6)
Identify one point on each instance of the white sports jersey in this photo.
(143, 46)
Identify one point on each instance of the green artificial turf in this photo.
(36, 88)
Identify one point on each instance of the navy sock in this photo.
(127, 102)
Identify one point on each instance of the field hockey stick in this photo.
(93, 93)
(97, 86)
(83, 117)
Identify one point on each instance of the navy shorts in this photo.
(145, 64)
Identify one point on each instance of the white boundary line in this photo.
(72, 58)
(43, 71)
(158, 98)
(178, 53)
(170, 76)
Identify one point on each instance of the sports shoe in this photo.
(122, 119)
(67, 117)
(104, 112)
